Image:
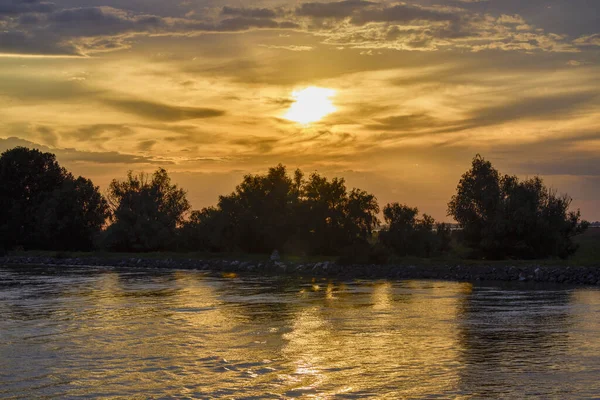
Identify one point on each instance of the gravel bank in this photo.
(588, 275)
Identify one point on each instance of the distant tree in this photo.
(502, 216)
(408, 235)
(444, 237)
(146, 212)
(42, 206)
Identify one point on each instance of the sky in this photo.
(397, 97)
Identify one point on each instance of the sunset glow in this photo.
(397, 97)
(311, 105)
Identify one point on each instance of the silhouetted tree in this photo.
(146, 212)
(407, 235)
(204, 230)
(42, 206)
(504, 217)
(274, 211)
(334, 219)
(72, 216)
(260, 211)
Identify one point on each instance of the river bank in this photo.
(584, 275)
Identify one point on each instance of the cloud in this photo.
(21, 42)
(160, 111)
(351, 23)
(340, 9)
(249, 12)
(100, 21)
(73, 155)
(557, 106)
(16, 7)
(403, 13)
(403, 122)
(588, 40)
(290, 48)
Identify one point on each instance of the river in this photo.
(91, 332)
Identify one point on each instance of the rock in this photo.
(275, 256)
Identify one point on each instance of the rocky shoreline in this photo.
(583, 275)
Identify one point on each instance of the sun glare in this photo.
(311, 105)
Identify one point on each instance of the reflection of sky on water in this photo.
(109, 333)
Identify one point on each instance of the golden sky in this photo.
(395, 97)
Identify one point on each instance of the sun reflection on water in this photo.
(186, 334)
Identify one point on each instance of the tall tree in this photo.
(72, 216)
(147, 210)
(502, 216)
(275, 211)
(43, 206)
(27, 177)
(408, 235)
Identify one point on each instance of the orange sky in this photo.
(409, 92)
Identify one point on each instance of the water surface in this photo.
(108, 333)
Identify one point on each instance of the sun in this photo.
(311, 105)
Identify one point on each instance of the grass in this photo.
(588, 254)
(589, 247)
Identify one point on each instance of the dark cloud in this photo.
(249, 12)
(146, 145)
(245, 23)
(96, 21)
(543, 107)
(403, 122)
(16, 7)
(160, 111)
(340, 9)
(21, 42)
(257, 144)
(99, 133)
(554, 107)
(73, 155)
(85, 30)
(402, 13)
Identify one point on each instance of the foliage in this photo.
(408, 235)
(42, 206)
(146, 212)
(276, 211)
(72, 216)
(504, 217)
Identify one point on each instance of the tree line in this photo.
(43, 206)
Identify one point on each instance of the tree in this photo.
(502, 216)
(146, 212)
(42, 206)
(259, 212)
(294, 214)
(407, 235)
(27, 177)
(72, 216)
(204, 230)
